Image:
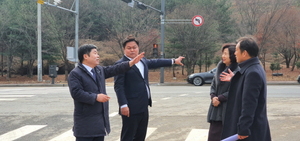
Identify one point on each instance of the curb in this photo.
(151, 84)
(34, 85)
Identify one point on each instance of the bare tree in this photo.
(260, 18)
(286, 36)
(59, 30)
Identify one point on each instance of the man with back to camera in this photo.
(133, 92)
(87, 87)
(246, 113)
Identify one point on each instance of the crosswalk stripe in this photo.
(197, 135)
(3, 96)
(183, 95)
(7, 99)
(22, 131)
(67, 136)
(166, 98)
(194, 135)
(10, 90)
(113, 114)
(149, 132)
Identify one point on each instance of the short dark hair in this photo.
(85, 49)
(231, 49)
(130, 38)
(249, 44)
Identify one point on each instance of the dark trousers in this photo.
(215, 131)
(135, 127)
(90, 138)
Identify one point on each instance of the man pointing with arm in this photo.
(133, 92)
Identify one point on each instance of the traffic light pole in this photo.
(162, 38)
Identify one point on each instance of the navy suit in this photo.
(90, 116)
(132, 89)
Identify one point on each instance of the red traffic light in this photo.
(155, 45)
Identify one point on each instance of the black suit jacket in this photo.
(131, 87)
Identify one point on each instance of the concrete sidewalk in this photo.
(151, 83)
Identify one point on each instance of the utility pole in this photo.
(39, 43)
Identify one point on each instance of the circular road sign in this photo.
(197, 20)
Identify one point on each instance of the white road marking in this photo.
(197, 135)
(10, 90)
(7, 99)
(200, 92)
(183, 95)
(66, 136)
(113, 114)
(166, 98)
(22, 131)
(16, 95)
(149, 132)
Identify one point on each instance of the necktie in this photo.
(94, 74)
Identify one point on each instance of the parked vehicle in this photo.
(198, 79)
(298, 79)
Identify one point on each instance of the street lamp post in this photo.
(76, 32)
(76, 12)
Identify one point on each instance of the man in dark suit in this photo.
(87, 87)
(246, 113)
(133, 92)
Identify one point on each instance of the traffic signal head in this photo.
(127, 1)
(155, 50)
(141, 6)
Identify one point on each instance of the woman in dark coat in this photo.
(219, 92)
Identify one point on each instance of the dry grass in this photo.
(154, 76)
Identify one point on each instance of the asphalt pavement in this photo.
(178, 114)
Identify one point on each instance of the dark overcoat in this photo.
(246, 112)
(131, 87)
(90, 116)
(220, 89)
